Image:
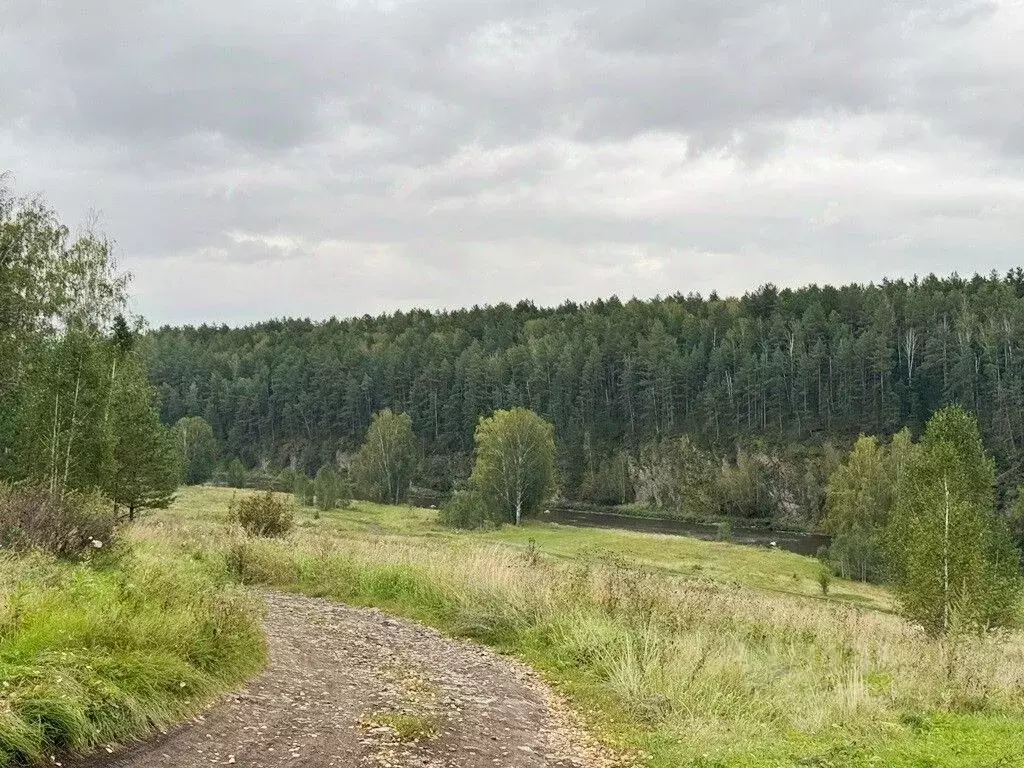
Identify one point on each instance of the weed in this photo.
(407, 727)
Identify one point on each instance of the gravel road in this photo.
(355, 687)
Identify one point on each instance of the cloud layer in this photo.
(335, 158)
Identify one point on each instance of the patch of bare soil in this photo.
(355, 687)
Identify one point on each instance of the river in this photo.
(801, 543)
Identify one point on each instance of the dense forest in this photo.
(783, 375)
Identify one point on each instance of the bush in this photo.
(466, 510)
(69, 526)
(263, 514)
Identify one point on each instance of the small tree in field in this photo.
(263, 514)
(143, 468)
(952, 559)
(385, 465)
(330, 489)
(303, 489)
(515, 462)
(860, 497)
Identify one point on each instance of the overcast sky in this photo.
(271, 157)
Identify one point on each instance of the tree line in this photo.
(77, 411)
(781, 381)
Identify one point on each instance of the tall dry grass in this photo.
(710, 664)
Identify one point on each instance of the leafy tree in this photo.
(194, 438)
(762, 377)
(515, 463)
(329, 488)
(303, 490)
(952, 557)
(609, 483)
(62, 436)
(236, 474)
(1015, 521)
(466, 510)
(749, 488)
(144, 471)
(262, 514)
(386, 462)
(860, 498)
(57, 296)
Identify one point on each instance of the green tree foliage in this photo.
(467, 510)
(750, 487)
(608, 482)
(303, 490)
(954, 563)
(767, 370)
(1015, 521)
(676, 476)
(197, 445)
(514, 471)
(262, 514)
(329, 488)
(861, 493)
(236, 475)
(77, 413)
(62, 437)
(385, 464)
(143, 471)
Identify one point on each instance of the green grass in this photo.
(763, 569)
(738, 662)
(97, 654)
(407, 727)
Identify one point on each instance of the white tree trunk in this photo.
(945, 562)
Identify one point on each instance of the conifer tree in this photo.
(144, 470)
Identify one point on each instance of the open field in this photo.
(672, 555)
(737, 662)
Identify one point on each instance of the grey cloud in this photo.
(460, 138)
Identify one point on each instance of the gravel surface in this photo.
(355, 687)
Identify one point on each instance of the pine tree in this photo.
(144, 470)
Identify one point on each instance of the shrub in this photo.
(70, 526)
(464, 509)
(824, 578)
(263, 514)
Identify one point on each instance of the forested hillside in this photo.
(779, 372)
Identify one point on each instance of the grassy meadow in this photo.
(689, 653)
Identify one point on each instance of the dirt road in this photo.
(354, 687)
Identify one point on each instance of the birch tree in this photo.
(954, 564)
(197, 445)
(515, 462)
(385, 464)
